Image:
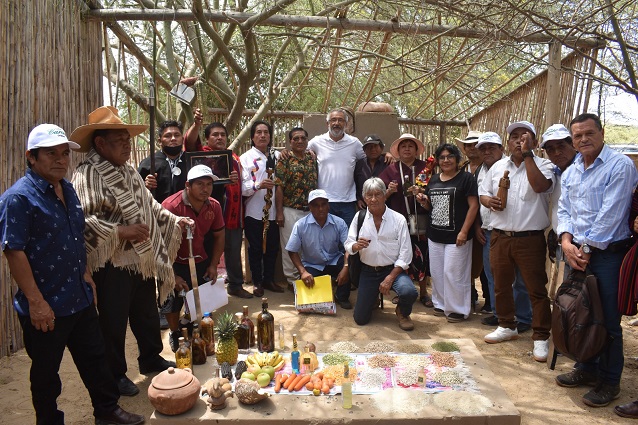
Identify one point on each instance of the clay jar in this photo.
(174, 391)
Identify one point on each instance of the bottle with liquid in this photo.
(282, 341)
(198, 347)
(183, 358)
(294, 355)
(187, 339)
(346, 388)
(241, 332)
(251, 327)
(308, 361)
(206, 330)
(265, 329)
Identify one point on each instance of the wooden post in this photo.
(552, 106)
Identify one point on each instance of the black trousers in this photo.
(262, 266)
(124, 296)
(80, 332)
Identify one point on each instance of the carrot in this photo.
(289, 380)
(277, 383)
(293, 384)
(304, 380)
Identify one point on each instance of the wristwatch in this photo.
(587, 249)
(528, 154)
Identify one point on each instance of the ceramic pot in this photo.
(174, 391)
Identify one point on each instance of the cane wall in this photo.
(50, 72)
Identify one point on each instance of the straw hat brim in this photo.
(84, 133)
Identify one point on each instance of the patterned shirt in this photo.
(297, 178)
(34, 220)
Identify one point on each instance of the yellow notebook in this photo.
(320, 293)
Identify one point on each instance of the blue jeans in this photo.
(368, 293)
(343, 292)
(522, 304)
(606, 267)
(344, 210)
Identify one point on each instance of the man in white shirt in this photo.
(258, 188)
(337, 154)
(518, 238)
(386, 252)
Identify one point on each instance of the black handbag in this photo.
(354, 261)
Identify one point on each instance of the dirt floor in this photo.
(529, 385)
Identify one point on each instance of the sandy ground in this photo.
(529, 384)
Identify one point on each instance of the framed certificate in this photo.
(221, 162)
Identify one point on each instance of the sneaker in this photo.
(173, 340)
(576, 378)
(602, 395)
(405, 323)
(438, 312)
(455, 317)
(500, 335)
(541, 348)
(523, 327)
(490, 321)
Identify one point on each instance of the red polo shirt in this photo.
(209, 219)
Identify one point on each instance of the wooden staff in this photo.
(266, 210)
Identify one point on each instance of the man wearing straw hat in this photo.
(41, 224)
(130, 240)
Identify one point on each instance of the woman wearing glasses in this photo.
(452, 199)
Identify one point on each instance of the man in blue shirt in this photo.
(42, 226)
(593, 213)
(319, 237)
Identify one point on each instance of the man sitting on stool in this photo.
(319, 237)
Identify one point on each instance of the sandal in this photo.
(427, 301)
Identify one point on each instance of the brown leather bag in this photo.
(577, 318)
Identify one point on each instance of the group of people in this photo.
(115, 234)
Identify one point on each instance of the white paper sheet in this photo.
(211, 297)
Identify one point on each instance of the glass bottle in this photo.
(308, 361)
(198, 347)
(241, 333)
(265, 328)
(251, 327)
(282, 342)
(187, 340)
(206, 327)
(294, 355)
(183, 358)
(346, 388)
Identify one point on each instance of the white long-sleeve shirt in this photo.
(253, 164)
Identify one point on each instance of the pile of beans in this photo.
(344, 347)
(381, 360)
(441, 359)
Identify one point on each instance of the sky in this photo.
(619, 109)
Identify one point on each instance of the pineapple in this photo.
(227, 349)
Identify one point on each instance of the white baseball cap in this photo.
(521, 124)
(199, 171)
(48, 135)
(556, 132)
(489, 137)
(317, 193)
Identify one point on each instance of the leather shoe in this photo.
(158, 365)
(119, 417)
(523, 327)
(271, 286)
(126, 387)
(345, 304)
(258, 291)
(405, 322)
(490, 321)
(240, 292)
(629, 410)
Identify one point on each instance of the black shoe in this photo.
(173, 340)
(240, 292)
(602, 395)
(119, 417)
(576, 378)
(438, 312)
(490, 321)
(258, 291)
(523, 327)
(455, 317)
(346, 304)
(126, 387)
(271, 286)
(486, 309)
(160, 364)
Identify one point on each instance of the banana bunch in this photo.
(273, 359)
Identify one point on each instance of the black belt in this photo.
(519, 234)
(377, 268)
(614, 247)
